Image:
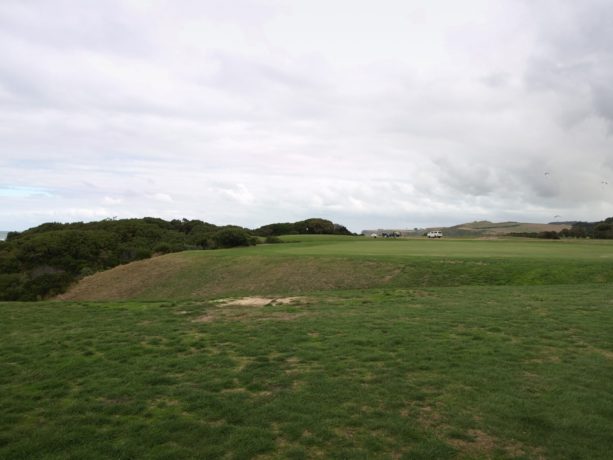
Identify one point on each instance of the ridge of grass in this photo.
(314, 263)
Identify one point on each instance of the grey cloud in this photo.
(575, 57)
(244, 12)
(497, 80)
(242, 74)
(602, 97)
(470, 178)
(71, 25)
(244, 113)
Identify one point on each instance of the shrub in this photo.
(232, 237)
(162, 248)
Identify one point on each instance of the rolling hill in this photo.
(487, 228)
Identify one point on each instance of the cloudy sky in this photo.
(394, 113)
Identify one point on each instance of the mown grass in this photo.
(460, 372)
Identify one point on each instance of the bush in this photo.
(233, 237)
(86, 271)
(311, 226)
(46, 285)
(162, 248)
(11, 286)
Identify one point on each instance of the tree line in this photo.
(44, 261)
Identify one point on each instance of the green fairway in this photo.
(414, 349)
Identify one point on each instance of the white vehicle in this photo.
(435, 234)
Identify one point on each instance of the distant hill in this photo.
(480, 228)
(487, 228)
(3, 235)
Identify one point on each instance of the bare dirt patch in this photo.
(256, 301)
(252, 309)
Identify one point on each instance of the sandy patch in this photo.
(256, 301)
(251, 308)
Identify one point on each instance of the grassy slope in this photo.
(324, 263)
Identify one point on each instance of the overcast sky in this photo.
(394, 113)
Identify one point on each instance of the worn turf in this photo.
(462, 372)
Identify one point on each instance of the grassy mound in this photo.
(307, 264)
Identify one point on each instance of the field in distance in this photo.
(312, 263)
(324, 348)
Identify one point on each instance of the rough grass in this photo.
(387, 349)
(329, 263)
(459, 372)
